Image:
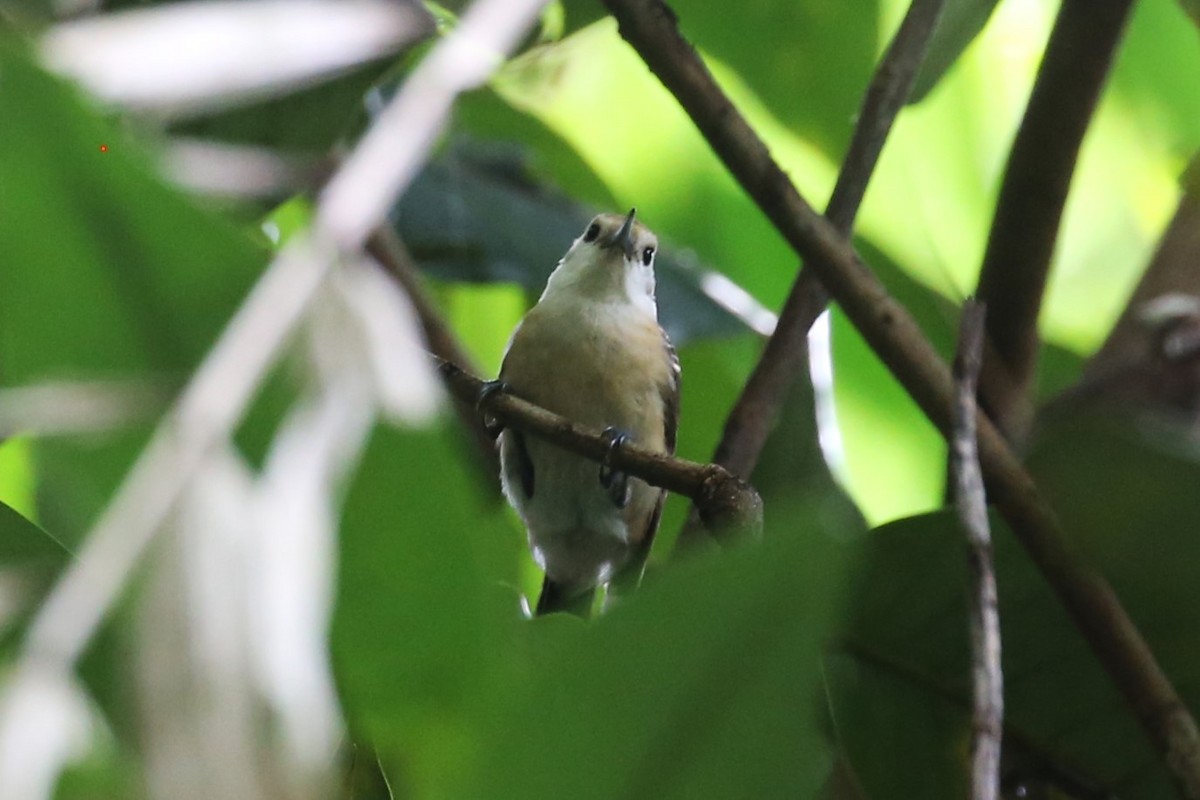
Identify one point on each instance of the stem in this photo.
(971, 502)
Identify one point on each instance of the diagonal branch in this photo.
(891, 331)
(971, 501)
(1025, 227)
(728, 505)
(753, 416)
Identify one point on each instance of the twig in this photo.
(971, 503)
(1025, 227)
(895, 336)
(354, 202)
(391, 254)
(753, 416)
(728, 505)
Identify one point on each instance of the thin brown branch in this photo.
(891, 331)
(1025, 227)
(728, 505)
(389, 251)
(971, 502)
(785, 355)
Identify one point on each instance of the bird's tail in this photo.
(557, 597)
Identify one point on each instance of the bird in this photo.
(592, 350)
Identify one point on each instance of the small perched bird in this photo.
(591, 350)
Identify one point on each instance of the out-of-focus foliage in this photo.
(739, 673)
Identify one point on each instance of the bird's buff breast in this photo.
(600, 366)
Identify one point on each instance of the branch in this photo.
(891, 331)
(1025, 227)
(728, 505)
(753, 416)
(971, 502)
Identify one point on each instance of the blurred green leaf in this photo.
(22, 541)
(427, 602)
(29, 560)
(1151, 73)
(107, 270)
(961, 22)
(705, 684)
(888, 726)
(108, 273)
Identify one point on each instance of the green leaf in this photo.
(889, 726)
(961, 22)
(1125, 500)
(29, 559)
(427, 601)
(705, 684)
(108, 273)
(580, 13)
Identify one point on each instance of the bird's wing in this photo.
(669, 391)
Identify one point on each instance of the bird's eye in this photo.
(647, 255)
(592, 232)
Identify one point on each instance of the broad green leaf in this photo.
(1126, 502)
(705, 684)
(903, 741)
(426, 609)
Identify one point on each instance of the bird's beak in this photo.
(623, 238)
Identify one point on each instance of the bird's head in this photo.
(612, 260)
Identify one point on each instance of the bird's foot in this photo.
(614, 480)
(492, 426)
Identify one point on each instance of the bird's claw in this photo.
(492, 426)
(614, 480)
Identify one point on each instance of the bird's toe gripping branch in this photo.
(492, 426)
(614, 480)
